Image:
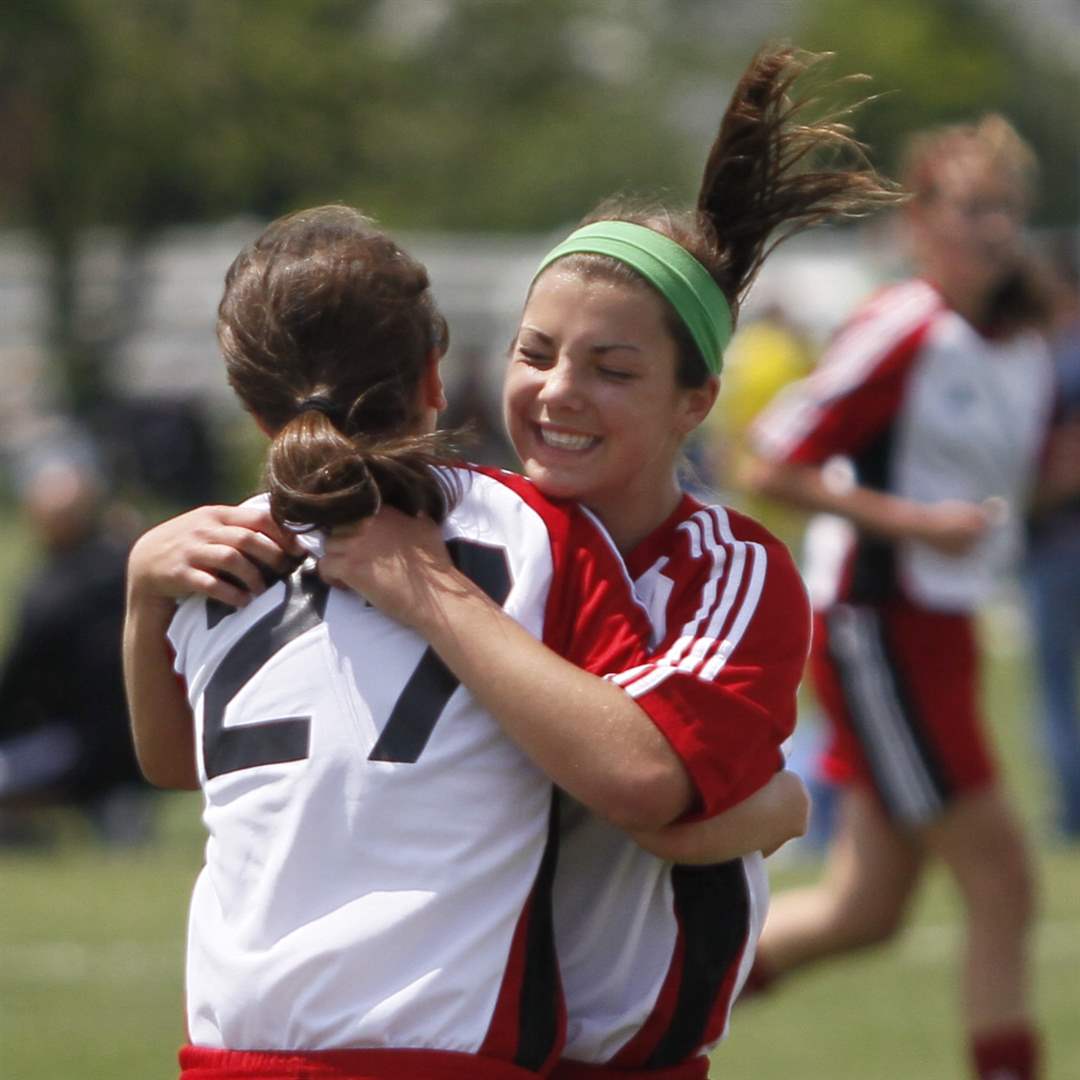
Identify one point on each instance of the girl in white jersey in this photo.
(615, 362)
(376, 895)
(937, 393)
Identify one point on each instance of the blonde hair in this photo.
(991, 137)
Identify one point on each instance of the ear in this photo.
(434, 395)
(697, 402)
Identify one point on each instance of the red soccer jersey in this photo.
(653, 954)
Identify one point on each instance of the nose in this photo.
(562, 385)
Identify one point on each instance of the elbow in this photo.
(169, 774)
(651, 798)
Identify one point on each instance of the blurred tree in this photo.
(141, 115)
(431, 113)
(942, 61)
(447, 114)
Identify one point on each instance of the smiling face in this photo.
(591, 401)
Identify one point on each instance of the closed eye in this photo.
(533, 357)
(616, 374)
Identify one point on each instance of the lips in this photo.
(566, 440)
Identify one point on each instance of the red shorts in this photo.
(203, 1063)
(900, 686)
(697, 1069)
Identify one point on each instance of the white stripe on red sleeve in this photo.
(729, 599)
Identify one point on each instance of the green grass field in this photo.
(91, 946)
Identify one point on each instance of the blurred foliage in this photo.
(944, 61)
(438, 114)
(452, 114)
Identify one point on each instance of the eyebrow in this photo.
(605, 347)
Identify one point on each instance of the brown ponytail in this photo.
(327, 328)
(764, 181)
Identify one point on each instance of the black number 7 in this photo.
(268, 742)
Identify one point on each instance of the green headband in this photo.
(668, 267)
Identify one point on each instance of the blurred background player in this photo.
(919, 435)
(64, 736)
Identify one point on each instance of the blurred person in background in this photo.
(64, 736)
(1053, 564)
(919, 435)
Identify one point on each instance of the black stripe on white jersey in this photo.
(712, 904)
(541, 990)
(906, 772)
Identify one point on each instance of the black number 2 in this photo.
(269, 742)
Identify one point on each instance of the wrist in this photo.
(144, 601)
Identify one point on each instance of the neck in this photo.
(961, 297)
(634, 518)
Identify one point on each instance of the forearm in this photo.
(764, 821)
(161, 723)
(812, 488)
(586, 733)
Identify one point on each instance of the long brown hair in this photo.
(327, 328)
(764, 181)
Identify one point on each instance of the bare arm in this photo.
(216, 551)
(764, 822)
(584, 732)
(951, 526)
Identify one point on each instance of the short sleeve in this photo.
(857, 388)
(722, 688)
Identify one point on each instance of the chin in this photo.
(551, 483)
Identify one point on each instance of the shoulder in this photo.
(887, 328)
(517, 501)
(733, 574)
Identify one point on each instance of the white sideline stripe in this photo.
(1057, 943)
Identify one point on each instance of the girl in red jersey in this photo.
(936, 393)
(615, 362)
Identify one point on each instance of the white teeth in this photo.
(560, 440)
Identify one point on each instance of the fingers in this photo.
(258, 548)
(216, 588)
(258, 521)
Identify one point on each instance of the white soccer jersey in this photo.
(652, 955)
(379, 857)
(924, 407)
